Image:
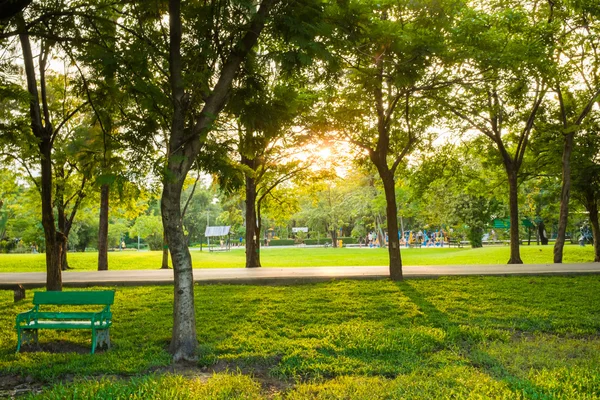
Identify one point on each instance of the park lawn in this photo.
(303, 257)
(478, 337)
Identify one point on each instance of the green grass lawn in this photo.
(475, 337)
(303, 257)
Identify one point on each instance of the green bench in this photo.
(28, 323)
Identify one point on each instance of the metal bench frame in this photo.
(30, 322)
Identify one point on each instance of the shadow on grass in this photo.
(58, 347)
(313, 331)
(465, 344)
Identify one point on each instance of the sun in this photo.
(324, 152)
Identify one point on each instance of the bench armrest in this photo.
(26, 316)
(102, 316)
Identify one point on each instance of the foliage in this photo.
(150, 228)
(116, 233)
(282, 242)
(476, 212)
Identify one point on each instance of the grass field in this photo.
(476, 337)
(303, 257)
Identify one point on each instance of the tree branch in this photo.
(67, 118)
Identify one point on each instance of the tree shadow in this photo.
(461, 341)
(58, 347)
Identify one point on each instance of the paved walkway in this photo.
(288, 275)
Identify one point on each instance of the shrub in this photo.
(317, 241)
(135, 246)
(281, 242)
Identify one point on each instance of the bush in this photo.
(7, 246)
(317, 241)
(281, 242)
(348, 240)
(135, 246)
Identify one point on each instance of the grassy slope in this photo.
(302, 257)
(455, 337)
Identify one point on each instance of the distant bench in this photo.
(28, 323)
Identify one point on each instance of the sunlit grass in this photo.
(482, 337)
(303, 257)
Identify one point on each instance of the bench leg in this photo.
(18, 340)
(99, 338)
(26, 336)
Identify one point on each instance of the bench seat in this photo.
(65, 325)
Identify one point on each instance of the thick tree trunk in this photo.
(184, 146)
(183, 342)
(392, 226)
(515, 254)
(593, 210)
(252, 225)
(564, 198)
(103, 229)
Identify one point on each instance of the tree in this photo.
(185, 140)
(576, 84)
(457, 185)
(391, 53)
(586, 178)
(266, 142)
(45, 132)
(149, 227)
(502, 88)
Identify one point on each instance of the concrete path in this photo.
(288, 275)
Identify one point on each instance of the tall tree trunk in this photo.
(44, 135)
(515, 254)
(334, 237)
(380, 233)
(61, 217)
(165, 252)
(541, 233)
(252, 223)
(391, 211)
(183, 341)
(64, 248)
(593, 210)
(103, 228)
(53, 245)
(379, 159)
(564, 198)
(183, 148)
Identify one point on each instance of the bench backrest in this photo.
(101, 297)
